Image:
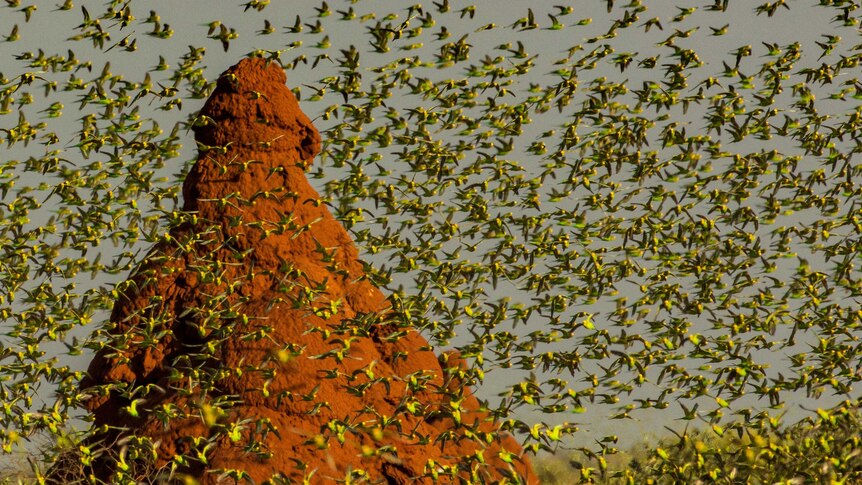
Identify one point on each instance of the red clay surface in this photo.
(322, 394)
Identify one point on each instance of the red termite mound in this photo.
(252, 340)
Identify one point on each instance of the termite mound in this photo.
(250, 344)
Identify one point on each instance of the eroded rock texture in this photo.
(322, 378)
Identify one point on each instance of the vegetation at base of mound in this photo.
(822, 450)
(826, 449)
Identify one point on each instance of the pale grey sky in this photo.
(804, 23)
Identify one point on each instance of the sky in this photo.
(50, 31)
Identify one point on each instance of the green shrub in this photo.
(822, 450)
